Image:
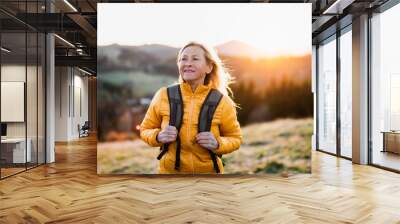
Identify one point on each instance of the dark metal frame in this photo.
(73, 91)
(338, 98)
(369, 90)
(45, 90)
(26, 89)
(316, 97)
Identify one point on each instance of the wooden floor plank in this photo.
(70, 191)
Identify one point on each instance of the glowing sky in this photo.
(274, 28)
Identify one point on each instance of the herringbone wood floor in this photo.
(69, 191)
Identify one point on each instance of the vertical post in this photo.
(50, 92)
(0, 99)
(26, 107)
(314, 87)
(338, 76)
(360, 90)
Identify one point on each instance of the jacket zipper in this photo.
(188, 132)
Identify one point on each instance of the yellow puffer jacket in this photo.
(194, 158)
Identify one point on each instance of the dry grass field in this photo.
(281, 146)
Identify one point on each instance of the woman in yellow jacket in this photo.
(200, 70)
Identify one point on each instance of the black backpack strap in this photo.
(175, 119)
(205, 118)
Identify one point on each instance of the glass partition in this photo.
(14, 154)
(22, 77)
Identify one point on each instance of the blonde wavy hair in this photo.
(219, 76)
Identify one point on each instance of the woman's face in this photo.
(192, 65)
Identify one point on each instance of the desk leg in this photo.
(384, 142)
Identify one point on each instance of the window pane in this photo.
(346, 94)
(386, 89)
(327, 97)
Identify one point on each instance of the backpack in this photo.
(204, 125)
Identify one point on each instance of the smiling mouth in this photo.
(188, 70)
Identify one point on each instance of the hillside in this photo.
(243, 61)
(282, 146)
(236, 48)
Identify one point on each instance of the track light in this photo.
(70, 5)
(5, 50)
(64, 40)
(86, 72)
(337, 7)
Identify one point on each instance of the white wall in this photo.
(71, 93)
(14, 73)
(62, 81)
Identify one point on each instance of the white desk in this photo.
(18, 149)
